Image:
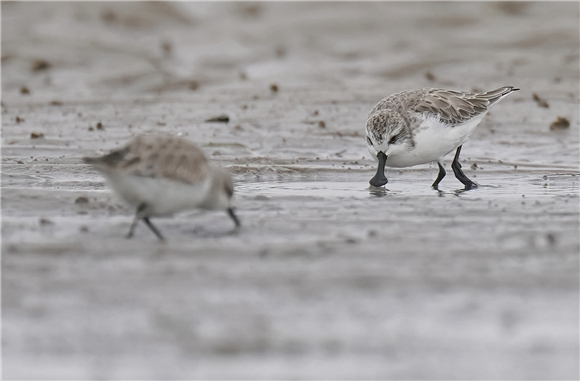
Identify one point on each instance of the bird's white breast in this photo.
(433, 140)
(162, 196)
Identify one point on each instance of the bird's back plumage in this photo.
(450, 106)
(156, 156)
(420, 126)
(161, 174)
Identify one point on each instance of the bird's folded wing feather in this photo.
(157, 157)
(452, 107)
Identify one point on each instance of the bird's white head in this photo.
(221, 192)
(386, 135)
(387, 132)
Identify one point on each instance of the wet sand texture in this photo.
(326, 279)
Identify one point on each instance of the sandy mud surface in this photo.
(327, 279)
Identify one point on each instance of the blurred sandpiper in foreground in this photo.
(160, 175)
(421, 126)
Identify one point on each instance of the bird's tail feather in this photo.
(496, 95)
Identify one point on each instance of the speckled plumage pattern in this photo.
(424, 125)
(450, 106)
(159, 156)
(161, 174)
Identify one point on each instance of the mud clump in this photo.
(560, 124)
(218, 119)
(40, 65)
(45, 222)
(81, 200)
(34, 135)
(192, 84)
(512, 8)
(540, 101)
(166, 48)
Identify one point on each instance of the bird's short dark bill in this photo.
(380, 179)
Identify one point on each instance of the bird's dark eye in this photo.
(393, 140)
(369, 141)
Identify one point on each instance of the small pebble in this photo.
(81, 200)
(39, 65)
(192, 84)
(166, 47)
(45, 221)
(541, 102)
(218, 119)
(429, 76)
(560, 124)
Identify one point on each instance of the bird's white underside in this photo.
(163, 197)
(433, 141)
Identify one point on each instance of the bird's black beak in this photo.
(380, 179)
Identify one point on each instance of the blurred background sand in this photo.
(327, 279)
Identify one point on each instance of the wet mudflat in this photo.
(327, 278)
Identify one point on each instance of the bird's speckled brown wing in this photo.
(452, 107)
(456, 107)
(157, 156)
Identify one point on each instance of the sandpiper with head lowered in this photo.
(421, 126)
(160, 175)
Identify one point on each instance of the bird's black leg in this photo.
(132, 229)
(234, 217)
(140, 208)
(153, 228)
(459, 173)
(440, 176)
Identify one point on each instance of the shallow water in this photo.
(328, 278)
(531, 185)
